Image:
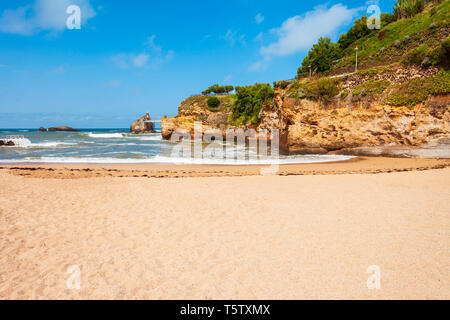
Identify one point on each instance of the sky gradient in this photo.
(132, 57)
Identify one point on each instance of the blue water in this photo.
(120, 146)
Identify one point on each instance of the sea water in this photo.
(120, 146)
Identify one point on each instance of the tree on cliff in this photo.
(250, 100)
(216, 89)
(320, 57)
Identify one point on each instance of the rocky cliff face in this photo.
(365, 123)
(352, 122)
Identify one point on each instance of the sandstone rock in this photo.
(10, 144)
(2, 143)
(42, 129)
(139, 126)
(62, 129)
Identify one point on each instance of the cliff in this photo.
(359, 116)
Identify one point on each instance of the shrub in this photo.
(371, 86)
(416, 55)
(441, 55)
(213, 103)
(320, 57)
(323, 89)
(386, 18)
(357, 31)
(250, 100)
(369, 72)
(408, 8)
(418, 90)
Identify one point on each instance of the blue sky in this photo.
(132, 57)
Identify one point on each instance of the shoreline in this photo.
(357, 165)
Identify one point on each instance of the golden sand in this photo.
(308, 236)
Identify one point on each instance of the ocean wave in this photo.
(51, 144)
(106, 135)
(181, 160)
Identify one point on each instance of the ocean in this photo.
(119, 146)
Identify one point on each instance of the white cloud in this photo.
(258, 37)
(59, 70)
(260, 65)
(259, 18)
(153, 55)
(300, 32)
(43, 15)
(232, 37)
(139, 60)
(228, 78)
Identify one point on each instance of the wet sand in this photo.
(309, 235)
(359, 165)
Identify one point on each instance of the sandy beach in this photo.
(225, 232)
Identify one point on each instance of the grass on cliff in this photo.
(315, 89)
(418, 90)
(410, 32)
(371, 86)
(225, 102)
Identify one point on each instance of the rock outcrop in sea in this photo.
(140, 126)
(7, 143)
(62, 129)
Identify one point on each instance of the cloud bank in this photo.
(43, 15)
(300, 32)
(153, 55)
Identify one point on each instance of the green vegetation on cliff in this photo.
(371, 86)
(414, 23)
(250, 100)
(213, 103)
(417, 90)
(316, 89)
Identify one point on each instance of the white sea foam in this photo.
(51, 144)
(105, 135)
(19, 142)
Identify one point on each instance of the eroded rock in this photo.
(140, 126)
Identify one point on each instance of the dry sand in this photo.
(246, 237)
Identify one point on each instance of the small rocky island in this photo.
(52, 129)
(141, 126)
(63, 129)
